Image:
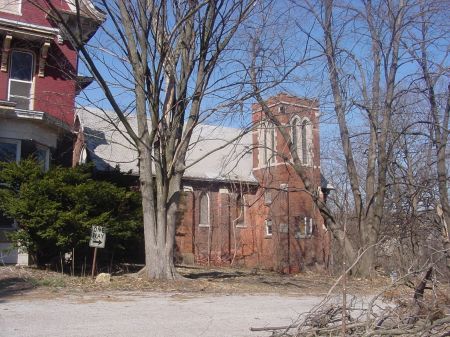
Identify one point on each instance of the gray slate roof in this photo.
(109, 147)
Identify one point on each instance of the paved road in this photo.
(147, 314)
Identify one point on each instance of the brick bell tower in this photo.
(293, 233)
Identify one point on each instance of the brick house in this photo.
(243, 205)
(38, 86)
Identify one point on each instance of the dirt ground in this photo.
(207, 302)
(20, 281)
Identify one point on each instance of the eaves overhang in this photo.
(8, 110)
(28, 31)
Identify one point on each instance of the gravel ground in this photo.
(135, 314)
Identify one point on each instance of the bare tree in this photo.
(428, 47)
(164, 56)
(364, 48)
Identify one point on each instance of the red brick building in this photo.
(243, 205)
(38, 86)
(270, 222)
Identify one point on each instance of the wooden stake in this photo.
(94, 261)
(73, 261)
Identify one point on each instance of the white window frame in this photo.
(296, 135)
(33, 60)
(208, 214)
(8, 2)
(47, 156)
(267, 144)
(14, 141)
(266, 227)
(18, 153)
(303, 138)
(308, 229)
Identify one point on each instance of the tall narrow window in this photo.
(272, 144)
(11, 6)
(204, 210)
(297, 136)
(304, 142)
(42, 155)
(240, 208)
(21, 79)
(301, 134)
(267, 144)
(265, 141)
(269, 229)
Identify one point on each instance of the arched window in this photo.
(267, 144)
(296, 130)
(301, 133)
(304, 142)
(204, 210)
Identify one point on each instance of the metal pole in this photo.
(94, 261)
(288, 229)
(344, 278)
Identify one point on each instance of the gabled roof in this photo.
(109, 147)
(87, 9)
(83, 15)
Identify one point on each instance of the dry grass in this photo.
(17, 280)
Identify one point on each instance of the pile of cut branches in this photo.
(410, 313)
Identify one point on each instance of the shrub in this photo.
(55, 210)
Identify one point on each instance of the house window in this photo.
(9, 152)
(11, 6)
(42, 155)
(21, 79)
(204, 210)
(303, 227)
(269, 228)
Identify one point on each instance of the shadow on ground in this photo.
(214, 275)
(10, 286)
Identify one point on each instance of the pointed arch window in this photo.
(204, 210)
(301, 132)
(267, 144)
(304, 142)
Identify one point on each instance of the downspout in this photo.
(193, 225)
(288, 229)
(191, 190)
(234, 229)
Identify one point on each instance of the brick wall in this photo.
(246, 243)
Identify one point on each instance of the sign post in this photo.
(98, 238)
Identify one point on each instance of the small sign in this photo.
(98, 237)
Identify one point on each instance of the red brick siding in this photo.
(54, 93)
